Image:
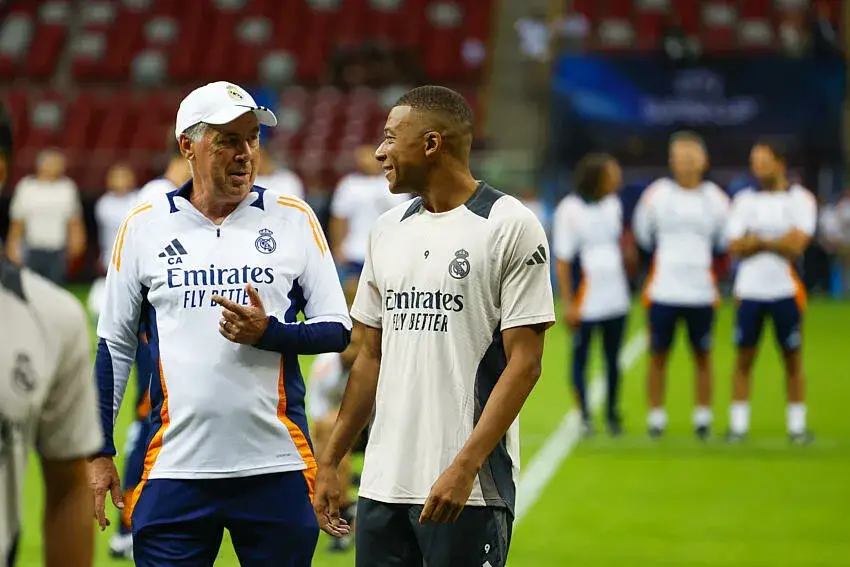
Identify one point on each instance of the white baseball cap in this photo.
(219, 103)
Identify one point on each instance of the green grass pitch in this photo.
(675, 502)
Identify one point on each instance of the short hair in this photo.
(196, 131)
(777, 148)
(448, 105)
(589, 173)
(688, 136)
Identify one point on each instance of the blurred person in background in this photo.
(176, 174)
(834, 236)
(591, 255)
(47, 403)
(682, 222)
(769, 229)
(46, 223)
(109, 212)
(360, 198)
(272, 175)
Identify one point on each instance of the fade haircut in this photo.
(589, 174)
(450, 113)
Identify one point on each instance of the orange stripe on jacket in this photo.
(298, 436)
(800, 295)
(154, 448)
(315, 226)
(119, 240)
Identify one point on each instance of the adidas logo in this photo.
(173, 249)
(539, 257)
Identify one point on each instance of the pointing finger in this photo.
(254, 297)
(230, 305)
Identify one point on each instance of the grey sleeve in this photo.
(69, 427)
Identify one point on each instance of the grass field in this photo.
(674, 502)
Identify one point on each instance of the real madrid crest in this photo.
(459, 267)
(265, 243)
(234, 93)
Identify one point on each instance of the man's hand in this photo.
(448, 495)
(103, 478)
(572, 316)
(326, 502)
(242, 324)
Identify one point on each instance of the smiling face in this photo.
(405, 150)
(226, 157)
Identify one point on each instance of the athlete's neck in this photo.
(448, 189)
(779, 184)
(689, 181)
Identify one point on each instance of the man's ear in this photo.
(433, 143)
(187, 146)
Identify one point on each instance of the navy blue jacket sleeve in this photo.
(304, 337)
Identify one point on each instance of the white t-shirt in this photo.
(684, 227)
(443, 287)
(45, 208)
(154, 189)
(109, 212)
(47, 396)
(361, 199)
(590, 233)
(220, 409)
(770, 214)
(282, 181)
(326, 385)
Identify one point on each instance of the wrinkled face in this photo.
(764, 165)
(227, 157)
(405, 151)
(687, 158)
(120, 179)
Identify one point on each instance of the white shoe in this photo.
(121, 546)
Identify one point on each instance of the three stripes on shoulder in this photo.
(538, 257)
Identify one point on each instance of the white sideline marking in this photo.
(546, 462)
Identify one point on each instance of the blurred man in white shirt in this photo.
(359, 199)
(177, 173)
(770, 229)
(46, 219)
(682, 220)
(279, 179)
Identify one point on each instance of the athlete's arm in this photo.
(76, 236)
(354, 414)
(741, 242)
(327, 327)
(338, 228)
(643, 221)
(524, 352)
(14, 238)
(564, 248)
(359, 398)
(118, 336)
(793, 243)
(68, 432)
(565, 281)
(68, 534)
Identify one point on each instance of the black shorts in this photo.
(390, 535)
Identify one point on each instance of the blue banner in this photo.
(631, 105)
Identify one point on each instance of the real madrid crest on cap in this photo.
(265, 243)
(233, 92)
(459, 267)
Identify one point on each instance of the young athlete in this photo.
(769, 229)
(453, 303)
(587, 241)
(683, 221)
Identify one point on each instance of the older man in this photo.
(46, 219)
(217, 273)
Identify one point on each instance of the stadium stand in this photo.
(113, 109)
